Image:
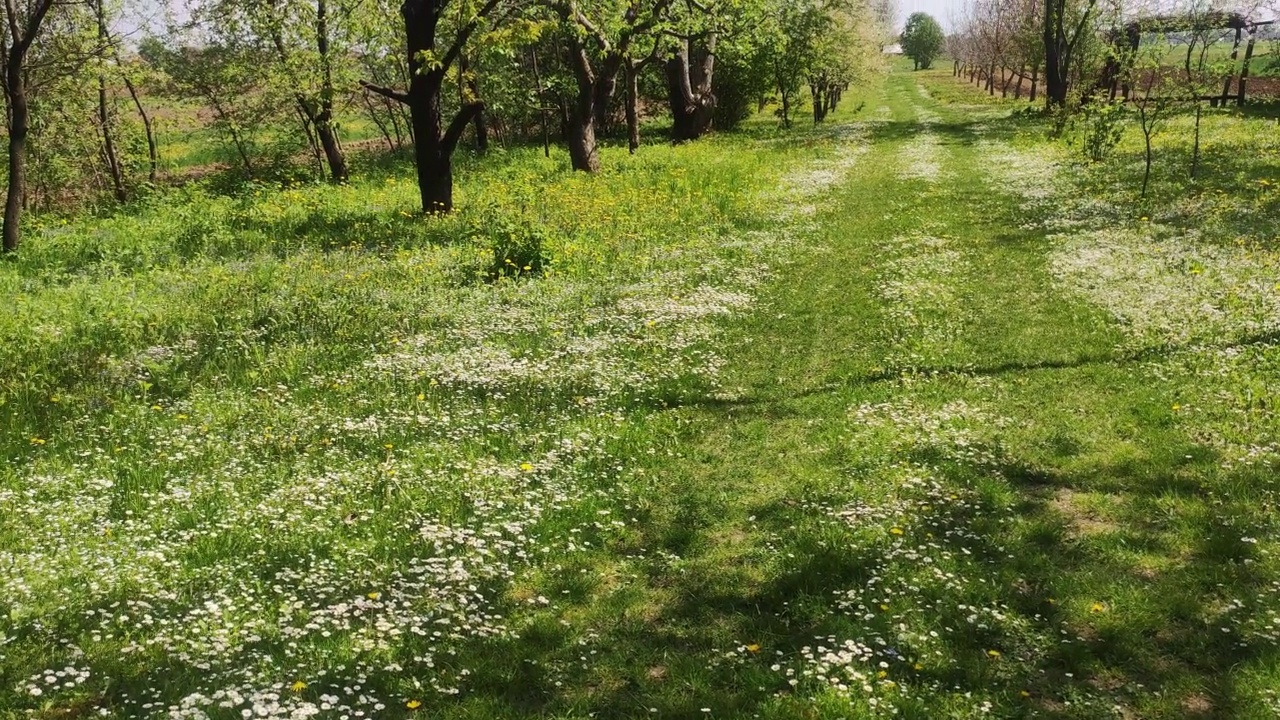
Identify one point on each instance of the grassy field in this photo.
(912, 414)
(1262, 64)
(189, 145)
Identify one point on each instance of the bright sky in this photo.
(941, 10)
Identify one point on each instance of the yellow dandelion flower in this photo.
(527, 467)
(413, 704)
(993, 653)
(896, 531)
(298, 686)
(374, 595)
(1097, 607)
(753, 648)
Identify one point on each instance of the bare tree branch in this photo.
(385, 92)
(460, 121)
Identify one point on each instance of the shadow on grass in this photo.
(1157, 631)
(1119, 606)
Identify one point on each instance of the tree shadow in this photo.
(1036, 573)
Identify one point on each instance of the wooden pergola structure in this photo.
(1131, 36)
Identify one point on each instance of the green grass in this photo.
(912, 412)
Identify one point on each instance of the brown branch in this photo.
(459, 125)
(385, 92)
(640, 65)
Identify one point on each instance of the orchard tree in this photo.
(227, 75)
(301, 49)
(743, 75)
(600, 38)
(827, 44)
(922, 39)
(302, 33)
(884, 17)
(436, 34)
(1066, 27)
(23, 24)
(799, 26)
(690, 68)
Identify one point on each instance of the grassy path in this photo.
(943, 426)
(941, 487)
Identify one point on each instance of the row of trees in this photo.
(1069, 50)
(283, 79)
(1103, 66)
(1003, 43)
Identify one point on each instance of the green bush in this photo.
(520, 248)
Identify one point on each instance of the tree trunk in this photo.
(542, 107)
(433, 150)
(1055, 85)
(584, 154)
(633, 113)
(153, 153)
(1146, 171)
(480, 123)
(693, 104)
(316, 153)
(435, 168)
(317, 113)
(481, 126)
(331, 146)
(1244, 71)
(104, 115)
(323, 120)
(109, 155)
(19, 125)
(1057, 53)
(1195, 148)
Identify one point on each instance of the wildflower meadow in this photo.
(915, 413)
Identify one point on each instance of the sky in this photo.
(941, 10)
